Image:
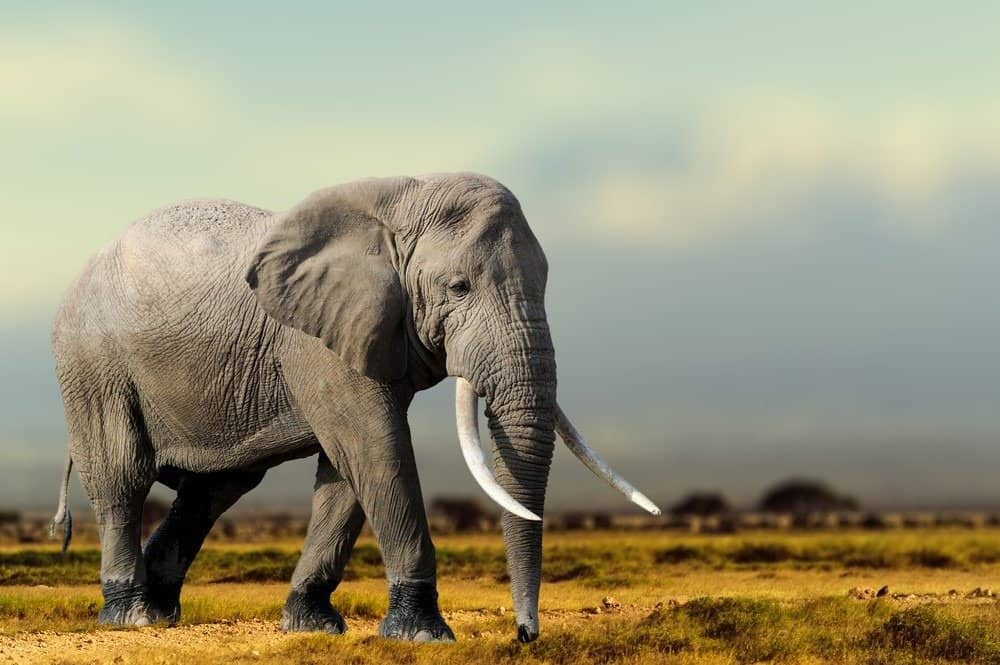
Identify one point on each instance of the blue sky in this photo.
(772, 230)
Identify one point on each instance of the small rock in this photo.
(980, 592)
(861, 593)
(953, 592)
(610, 603)
(500, 610)
(884, 591)
(592, 610)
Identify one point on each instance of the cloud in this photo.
(70, 76)
(691, 181)
(117, 122)
(102, 122)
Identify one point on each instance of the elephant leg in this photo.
(170, 550)
(367, 440)
(386, 483)
(110, 445)
(334, 526)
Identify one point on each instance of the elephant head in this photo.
(434, 276)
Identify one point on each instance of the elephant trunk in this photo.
(522, 423)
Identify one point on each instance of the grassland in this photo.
(739, 598)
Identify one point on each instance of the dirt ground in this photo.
(902, 596)
(235, 641)
(184, 643)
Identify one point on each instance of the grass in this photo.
(686, 599)
(586, 557)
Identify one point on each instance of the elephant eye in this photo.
(459, 287)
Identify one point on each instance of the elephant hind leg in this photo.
(334, 526)
(109, 444)
(201, 500)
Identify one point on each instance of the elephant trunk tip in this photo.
(526, 634)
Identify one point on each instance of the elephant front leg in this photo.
(334, 526)
(390, 492)
(367, 440)
(385, 480)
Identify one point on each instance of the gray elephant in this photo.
(214, 340)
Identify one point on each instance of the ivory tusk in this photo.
(467, 419)
(574, 441)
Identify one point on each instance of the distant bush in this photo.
(9, 517)
(682, 554)
(701, 504)
(804, 496)
(578, 520)
(931, 558)
(463, 513)
(762, 553)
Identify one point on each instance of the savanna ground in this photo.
(671, 598)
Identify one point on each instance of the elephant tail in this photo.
(63, 516)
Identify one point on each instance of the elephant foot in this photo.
(309, 610)
(165, 598)
(414, 615)
(126, 604)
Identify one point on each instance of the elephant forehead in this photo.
(454, 196)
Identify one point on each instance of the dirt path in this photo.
(177, 644)
(225, 641)
(256, 640)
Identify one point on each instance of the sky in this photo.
(772, 230)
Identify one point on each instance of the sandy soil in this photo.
(247, 638)
(240, 641)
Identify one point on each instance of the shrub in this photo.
(681, 554)
(702, 504)
(929, 558)
(762, 553)
(804, 496)
(928, 633)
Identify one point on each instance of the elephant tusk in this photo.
(574, 441)
(467, 419)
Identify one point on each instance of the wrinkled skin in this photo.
(214, 340)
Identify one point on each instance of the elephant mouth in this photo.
(467, 421)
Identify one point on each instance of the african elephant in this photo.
(214, 340)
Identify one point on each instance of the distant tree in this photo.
(701, 504)
(464, 513)
(574, 521)
(601, 520)
(10, 517)
(804, 496)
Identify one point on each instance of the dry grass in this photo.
(742, 598)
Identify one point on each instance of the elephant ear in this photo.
(326, 267)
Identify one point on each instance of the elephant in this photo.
(213, 340)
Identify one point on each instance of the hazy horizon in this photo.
(772, 232)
